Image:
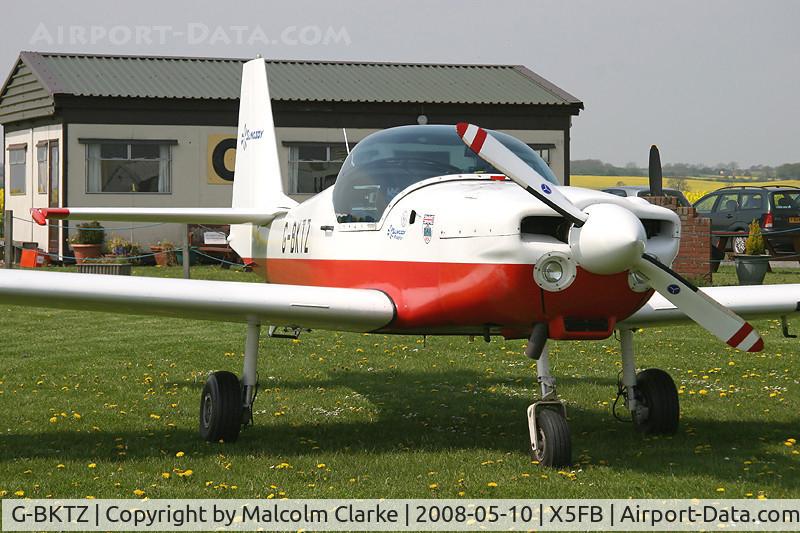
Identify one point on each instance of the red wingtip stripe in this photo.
(38, 216)
(758, 346)
(461, 128)
(740, 335)
(477, 143)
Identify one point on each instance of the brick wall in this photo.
(694, 255)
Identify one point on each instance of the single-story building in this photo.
(102, 130)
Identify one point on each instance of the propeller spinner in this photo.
(607, 239)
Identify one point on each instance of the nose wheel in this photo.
(550, 437)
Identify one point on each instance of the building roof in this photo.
(39, 76)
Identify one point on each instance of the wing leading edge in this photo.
(359, 310)
(751, 302)
(207, 215)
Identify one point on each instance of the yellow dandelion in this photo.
(138, 492)
(165, 475)
(76, 416)
(321, 465)
(491, 484)
(91, 465)
(461, 493)
(3, 493)
(179, 454)
(155, 416)
(20, 493)
(53, 419)
(433, 486)
(762, 496)
(720, 489)
(60, 466)
(90, 497)
(702, 392)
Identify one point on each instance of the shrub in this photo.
(755, 240)
(89, 233)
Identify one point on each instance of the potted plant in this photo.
(87, 243)
(752, 266)
(122, 250)
(164, 253)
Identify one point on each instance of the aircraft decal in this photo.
(295, 240)
(396, 234)
(427, 228)
(250, 135)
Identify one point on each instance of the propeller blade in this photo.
(654, 172)
(496, 154)
(708, 313)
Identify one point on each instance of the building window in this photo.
(128, 167)
(544, 151)
(313, 167)
(17, 156)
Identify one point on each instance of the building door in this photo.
(54, 174)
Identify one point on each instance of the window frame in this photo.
(23, 147)
(168, 143)
(293, 170)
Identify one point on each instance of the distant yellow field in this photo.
(697, 186)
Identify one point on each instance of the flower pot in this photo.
(86, 251)
(164, 257)
(751, 269)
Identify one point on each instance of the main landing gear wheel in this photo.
(553, 447)
(658, 407)
(221, 408)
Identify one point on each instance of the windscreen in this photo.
(388, 161)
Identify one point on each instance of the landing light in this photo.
(554, 272)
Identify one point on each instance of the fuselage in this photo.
(457, 253)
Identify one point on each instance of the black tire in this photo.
(221, 408)
(555, 440)
(656, 391)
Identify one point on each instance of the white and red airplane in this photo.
(429, 230)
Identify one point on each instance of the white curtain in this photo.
(163, 168)
(93, 168)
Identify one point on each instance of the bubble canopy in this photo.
(388, 161)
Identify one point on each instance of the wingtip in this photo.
(39, 216)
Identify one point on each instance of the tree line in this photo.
(724, 171)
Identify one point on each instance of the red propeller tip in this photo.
(461, 128)
(758, 346)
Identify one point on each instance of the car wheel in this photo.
(739, 245)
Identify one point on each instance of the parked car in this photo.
(777, 209)
(642, 190)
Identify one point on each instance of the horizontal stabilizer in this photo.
(195, 215)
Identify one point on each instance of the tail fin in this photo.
(257, 174)
(257, 181)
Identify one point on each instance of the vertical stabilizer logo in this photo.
(249, 135)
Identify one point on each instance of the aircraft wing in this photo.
(751, 302)
(360, 310)
(219, 215)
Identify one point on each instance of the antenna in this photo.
(346, 144)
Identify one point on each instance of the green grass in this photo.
(100, 405)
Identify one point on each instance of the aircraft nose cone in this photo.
(610, 241)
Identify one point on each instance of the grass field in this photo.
(106, 406)
(697, 187)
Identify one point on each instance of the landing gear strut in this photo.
(650, 395)
(226, 404)
(550, 439)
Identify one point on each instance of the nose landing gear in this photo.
(550, 438)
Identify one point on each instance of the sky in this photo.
(709, 81)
